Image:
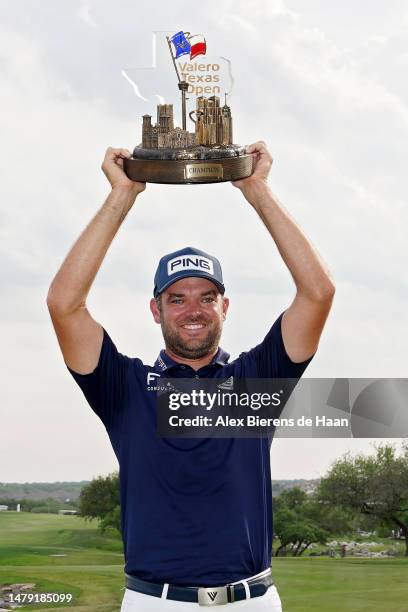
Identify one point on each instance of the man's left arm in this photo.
(303, 321)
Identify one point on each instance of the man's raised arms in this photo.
(79, 335)
(303, 321)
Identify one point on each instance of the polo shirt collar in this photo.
(165, 362)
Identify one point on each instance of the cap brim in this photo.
(220, 287)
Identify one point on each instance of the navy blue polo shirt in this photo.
(196, 511)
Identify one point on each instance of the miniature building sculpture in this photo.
(213, 126)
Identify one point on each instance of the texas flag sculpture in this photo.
(182, 43)
(186, 44)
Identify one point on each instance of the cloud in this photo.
(84, 13)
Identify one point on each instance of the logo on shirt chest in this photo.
(151, 378)
(152, 381)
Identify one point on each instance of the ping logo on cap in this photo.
(190, 262)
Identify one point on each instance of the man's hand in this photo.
(262, 161)
(113, 168)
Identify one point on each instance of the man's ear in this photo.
(155, 311)
(225, 306)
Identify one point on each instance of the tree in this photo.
(376, 486)
(300, 520)
(101, 499)
(112, 519)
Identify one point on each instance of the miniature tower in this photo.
(226, 137)
(165, 118)
(214, 124)
(146, 131)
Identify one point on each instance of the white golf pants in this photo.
(139, 602)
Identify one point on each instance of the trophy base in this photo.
(191, 165)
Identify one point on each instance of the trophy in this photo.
(169, 154)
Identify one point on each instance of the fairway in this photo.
(91, 568)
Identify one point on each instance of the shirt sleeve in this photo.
(271, 359)
(104, 387)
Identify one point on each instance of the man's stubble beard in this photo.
(194, 349)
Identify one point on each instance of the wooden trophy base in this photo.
(191, 165)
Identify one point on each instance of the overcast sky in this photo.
(324, 84)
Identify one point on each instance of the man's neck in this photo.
(195, 364)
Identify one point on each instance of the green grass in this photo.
(92, 570)
(335, 585)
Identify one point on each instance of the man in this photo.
(196, 514)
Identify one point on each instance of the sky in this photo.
(323, 84)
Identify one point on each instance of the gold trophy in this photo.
(169, 154)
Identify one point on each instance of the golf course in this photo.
(66, 554)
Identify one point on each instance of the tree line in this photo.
(363, 491)
(48, 505)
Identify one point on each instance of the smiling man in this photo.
(196, 514)
(189, 304)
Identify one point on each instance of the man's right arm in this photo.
(79, 335)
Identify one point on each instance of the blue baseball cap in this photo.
(184, 263)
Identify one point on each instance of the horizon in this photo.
(79, 481)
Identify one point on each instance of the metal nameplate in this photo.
(214, 596)
(192, 171)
